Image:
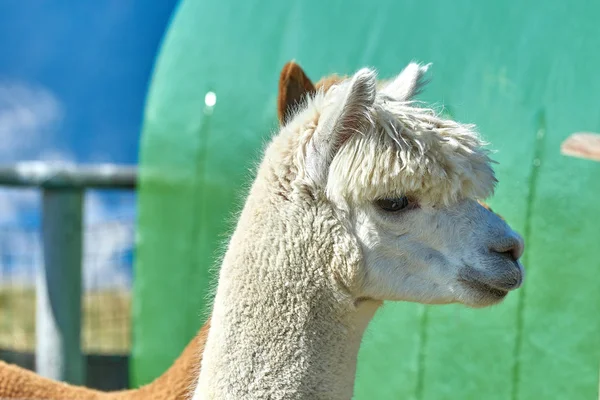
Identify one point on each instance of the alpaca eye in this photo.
(393, 205)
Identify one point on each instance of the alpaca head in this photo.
(406, 185)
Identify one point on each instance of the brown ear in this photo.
(294, 85)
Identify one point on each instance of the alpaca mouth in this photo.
(484, 287)
(494, 288)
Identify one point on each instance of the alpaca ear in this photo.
(408, 83)
(294, 85)
(347, 113)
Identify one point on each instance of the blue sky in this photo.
(73, 81)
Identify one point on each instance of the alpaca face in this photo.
(437, 254)
(405, 183)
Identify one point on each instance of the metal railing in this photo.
(59, 284)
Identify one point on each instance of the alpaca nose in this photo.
(512, 245)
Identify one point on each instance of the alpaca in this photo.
(174, 384)
(178, 380)
(362, 197)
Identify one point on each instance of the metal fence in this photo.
(71, 309)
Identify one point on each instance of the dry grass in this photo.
(106, 320)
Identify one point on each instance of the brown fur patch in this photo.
(327, 82)
(174, 384)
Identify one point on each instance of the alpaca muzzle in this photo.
(504, 276)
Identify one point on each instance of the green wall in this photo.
(526, 72)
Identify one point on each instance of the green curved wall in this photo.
(527, 72)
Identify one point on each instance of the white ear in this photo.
(408, 83)
(348, 113)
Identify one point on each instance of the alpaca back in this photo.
(175, 384)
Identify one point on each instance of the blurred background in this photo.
(73, 82)
(175, 99)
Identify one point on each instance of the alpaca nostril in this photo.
(513, 253)
(512, 247)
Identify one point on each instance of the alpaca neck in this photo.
(315, 359)
(281, 327)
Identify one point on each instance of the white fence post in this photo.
(58, 315)
(58, 310)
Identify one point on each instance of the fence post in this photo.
(58, 315)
